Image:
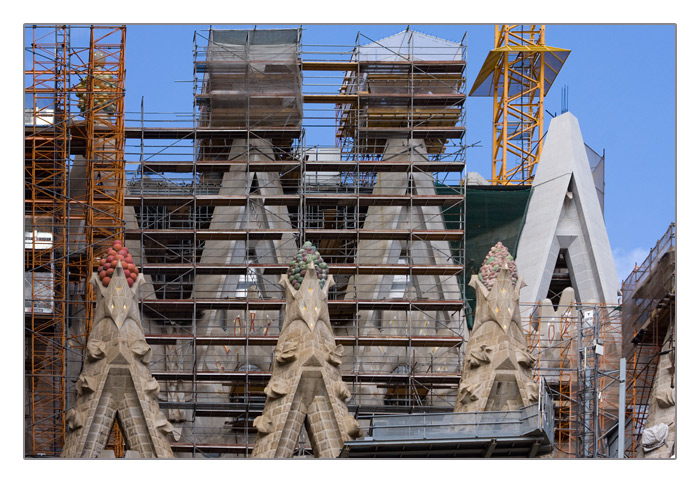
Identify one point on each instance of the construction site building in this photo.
(357, 149)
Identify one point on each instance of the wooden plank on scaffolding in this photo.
(271, 340)
(286, 166)
(278, 269)
(210, 200)
(188, 305)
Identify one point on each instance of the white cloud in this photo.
(625, 260)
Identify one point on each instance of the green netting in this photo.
(494, 213)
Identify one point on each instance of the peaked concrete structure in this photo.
(306, 387)
(565, 218)
(497, 372)
(116, 381)
(425, 287)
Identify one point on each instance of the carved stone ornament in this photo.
(479, 356)
(497, 371)
(306, 388)
(116, 381)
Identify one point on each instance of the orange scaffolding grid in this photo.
(557, 342)
(46, 151)
(74, 191)
(101, 94)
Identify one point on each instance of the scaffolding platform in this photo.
(527, 432)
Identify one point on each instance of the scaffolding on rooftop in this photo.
(250, 96)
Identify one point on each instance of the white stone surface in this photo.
(565, 213)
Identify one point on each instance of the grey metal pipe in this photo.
(621, 410)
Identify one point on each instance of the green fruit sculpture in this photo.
(300, 265)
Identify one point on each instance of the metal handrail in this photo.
(483, 424)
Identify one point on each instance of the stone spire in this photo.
(306, 387)
(116, 381)
(497, 372)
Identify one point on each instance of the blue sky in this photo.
(620, 78)
(621, 83)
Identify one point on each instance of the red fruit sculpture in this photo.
(117, 253)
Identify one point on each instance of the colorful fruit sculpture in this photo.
(497, 258)
(300, 264)
(117, 253)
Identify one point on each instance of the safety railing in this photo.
(476, 425)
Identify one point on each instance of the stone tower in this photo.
(306, 387)
(497, 372)
(116, 381)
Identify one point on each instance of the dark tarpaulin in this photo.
(494, 213)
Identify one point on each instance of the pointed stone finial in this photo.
(306, 386)
(116, 380)
(497, 372)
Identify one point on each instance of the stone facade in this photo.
(662, 406)
(554, 350)
(116, 381)
(497, 371)
(425, 287)
(306, 388)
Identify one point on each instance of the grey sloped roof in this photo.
(410, 45)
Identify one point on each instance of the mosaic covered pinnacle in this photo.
(117, 253)
(300, 264)
(497, 258)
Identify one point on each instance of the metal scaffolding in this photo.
(578, 354)
(222, 200)
(74, 151)
(213, 203)
(649, 308)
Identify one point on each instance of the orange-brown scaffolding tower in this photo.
(46, 212)
(74, 177)
(649, 308)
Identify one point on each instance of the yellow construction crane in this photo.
(518, 73)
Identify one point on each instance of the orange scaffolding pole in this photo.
(46, 152)
(69, 217)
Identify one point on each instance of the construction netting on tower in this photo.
(407, 85)
(252, 79)
(648, 308)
